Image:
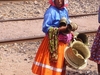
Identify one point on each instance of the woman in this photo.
(43, 64)
(95, 50)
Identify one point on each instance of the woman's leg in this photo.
(98, 66)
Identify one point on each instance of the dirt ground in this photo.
(16, 58)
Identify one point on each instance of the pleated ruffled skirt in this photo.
(42, 65)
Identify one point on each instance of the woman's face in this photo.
(59, 3)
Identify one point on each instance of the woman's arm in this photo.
(47, 22)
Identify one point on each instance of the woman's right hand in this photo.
(64, 29)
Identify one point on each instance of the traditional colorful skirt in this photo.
(95, 50)
(42, 65)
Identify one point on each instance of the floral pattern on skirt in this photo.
(95, 50)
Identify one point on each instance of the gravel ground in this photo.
(17, 58)
(36, 8)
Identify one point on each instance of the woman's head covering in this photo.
(52, 3)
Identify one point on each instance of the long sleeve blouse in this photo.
(52, 17)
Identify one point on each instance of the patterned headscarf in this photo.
(52, 3)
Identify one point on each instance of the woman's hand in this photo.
(64, 29)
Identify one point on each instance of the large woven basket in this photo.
(77, 55)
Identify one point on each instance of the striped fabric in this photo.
(49, 67)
